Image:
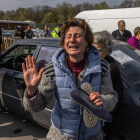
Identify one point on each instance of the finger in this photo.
(97, 100)
(30, 62)
(94, 97)
(40, 72)
(27, 63)
(99, 104)
(23, 68)
(34, 64)
(94, 93)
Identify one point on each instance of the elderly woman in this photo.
(135, 40)
(75, 63)
(103, 42)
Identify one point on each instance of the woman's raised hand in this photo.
(31, 76)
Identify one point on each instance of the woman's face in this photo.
(138, 36)
(103, 53)
(75, 43)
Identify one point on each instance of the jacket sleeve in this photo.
(46, 90)
(132, 42)
(117, 83)
(113, 34)
(50, 34)
(109, 95)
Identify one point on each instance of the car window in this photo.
(128, 67)
(45, 55)
(14, 59)
(23, 49)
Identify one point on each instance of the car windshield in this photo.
(129, 67)
(3, 31)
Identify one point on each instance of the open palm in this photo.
(31, 76)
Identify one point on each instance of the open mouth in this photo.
(73, 47)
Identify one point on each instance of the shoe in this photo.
(89, 119)
(80, 97)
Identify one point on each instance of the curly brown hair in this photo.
(80, 23)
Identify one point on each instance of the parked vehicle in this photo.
(5, 33)
(12, 84)
(10, 25)
(108, 19)
(37, 33)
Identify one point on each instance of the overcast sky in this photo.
(15, 4)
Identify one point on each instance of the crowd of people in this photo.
(28, 33)
(120, 34)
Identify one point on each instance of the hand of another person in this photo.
(31, 76)
(96, 98)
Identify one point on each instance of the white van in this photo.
(108, 19)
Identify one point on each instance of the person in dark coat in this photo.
(103, 42)
(59, 32)
(29, 33)
(19, 32)
(121, 34)
(0, 38)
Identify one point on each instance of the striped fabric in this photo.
(104, 66)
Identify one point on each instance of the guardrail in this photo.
(8, 41)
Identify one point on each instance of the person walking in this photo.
(76, 63)
(46, 32)
(135, 40)
(29, 33)
(121, 34)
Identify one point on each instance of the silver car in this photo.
(5, 33)
(37, 33)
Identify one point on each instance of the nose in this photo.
(72, 39)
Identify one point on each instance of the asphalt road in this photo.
(13, 127)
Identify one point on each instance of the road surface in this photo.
(13, 127)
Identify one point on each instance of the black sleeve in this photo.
(130, 34)
(113, 34)
(116, 79)
(33, 35)
(59, 33)
(117, 83)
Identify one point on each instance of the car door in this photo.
(12, 84)
(129, 66)
(43, 117)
